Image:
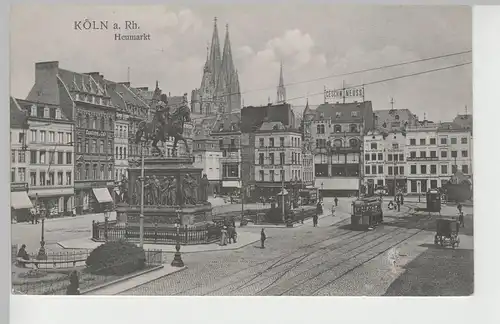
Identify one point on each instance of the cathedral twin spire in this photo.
(222, 74)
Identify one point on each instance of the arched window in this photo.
(124, 153)
(121, 153)
(87, 121)
(103, 123)
(94, 123)
(337, 128)
(110, 123)
(116, 153)
(337, 143)
(353, 142)
(353, 128)
(79, 119)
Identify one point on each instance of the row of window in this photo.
(374, 146)
(295, 158)
(97, 172)
(273, 175)
(53, 178)
(121, 153)
(380, 157)
(321, 142)
(45, 112)
(444, 154)
(94, 122)
(121, 131)
(379, 169)
(321, 170)
(95, 146)
(44, 157)
(442, 140)
(433, 169)
(295, 142)
(353, 128)
(92, 99)
(48, 137)
(21, 156)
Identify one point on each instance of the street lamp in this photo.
(177, 261)
(106, 219)
(42, 255)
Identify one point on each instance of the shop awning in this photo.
(102, 195)
(20, 200)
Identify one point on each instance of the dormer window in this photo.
(46, 112)
(338, 114)
(322, 115)
(397, 117)
(337, 128)
(33, 110)
(77, 96)
(354, 114)
(58, 113)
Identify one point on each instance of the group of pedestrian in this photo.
(228, 234)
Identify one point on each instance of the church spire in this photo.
(281, 93)
(228, 82)
(214, 61)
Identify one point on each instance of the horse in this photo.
(161, 128)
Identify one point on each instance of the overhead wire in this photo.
(364, 71)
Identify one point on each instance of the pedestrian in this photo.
(74, 284)
(402, 199)
(398, 202)
(461, 219)
(223, 236)
(390, 205)
(23, 255)
(315, 220)
(459, 207)
(336, 200)
(262, 238)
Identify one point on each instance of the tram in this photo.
(366, 213)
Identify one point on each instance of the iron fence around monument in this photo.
(188, 235)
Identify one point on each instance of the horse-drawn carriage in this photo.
(447, 232)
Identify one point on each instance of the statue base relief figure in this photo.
(171, 192)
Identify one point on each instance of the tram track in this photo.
(344, 261)
(283, 257)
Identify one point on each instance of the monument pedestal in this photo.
(159, 214)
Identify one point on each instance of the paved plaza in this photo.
(330, 259)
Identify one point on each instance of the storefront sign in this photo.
(89, 132)
(271, 166)
(19, 186)
(84, 185)
(335, 95)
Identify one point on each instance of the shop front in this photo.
(93, 196)
(20, 203)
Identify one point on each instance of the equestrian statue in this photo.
(165, 125)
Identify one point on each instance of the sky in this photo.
(315, 41)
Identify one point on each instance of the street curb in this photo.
(153, 279)
(183, 252)
(104, 285)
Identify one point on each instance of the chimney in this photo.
(127, 84)
(46, 71)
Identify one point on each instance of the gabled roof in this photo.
(227, 123)
(330, 111)
(270, 126)
(452, 126)
(18, 118)
(390, 115)
(25, 106)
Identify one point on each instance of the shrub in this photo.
(116, 258)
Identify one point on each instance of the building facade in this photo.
(20, 203)
(207, 156)
(51, 159)
(121, 145)
(422, 156)
(219, 91)
(337, 132)
(455, 150)
(278, 161)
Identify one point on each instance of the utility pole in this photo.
(283, 190)
(141, 215)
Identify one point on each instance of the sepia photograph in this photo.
(241, 150)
